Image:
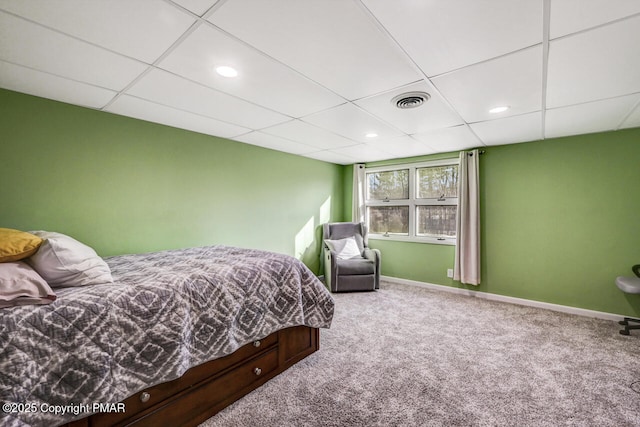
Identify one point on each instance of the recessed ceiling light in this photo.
(499, 109)
(371, 135)
(226, 71)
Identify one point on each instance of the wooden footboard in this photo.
(206, 389)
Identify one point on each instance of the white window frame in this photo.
(413, 202)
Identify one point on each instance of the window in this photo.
(414, 202)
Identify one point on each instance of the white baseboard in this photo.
(503, 298)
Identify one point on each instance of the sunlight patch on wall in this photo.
(304, 239)
(307, 241)
(325, 211)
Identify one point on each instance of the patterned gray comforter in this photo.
(166, 312)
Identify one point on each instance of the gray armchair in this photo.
(360, 272)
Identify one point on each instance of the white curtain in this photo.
(466, 268)
(357, 214)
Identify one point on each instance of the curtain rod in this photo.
(481, 152)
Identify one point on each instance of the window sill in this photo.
(428, 240)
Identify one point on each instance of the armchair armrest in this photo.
(371, 254)
(329, 265)
(374, 255)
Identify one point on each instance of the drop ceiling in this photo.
(316, 77)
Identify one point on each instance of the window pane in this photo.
(388, 185)
(439, 221)
(435, 181)
(389, 219)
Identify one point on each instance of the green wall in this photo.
(560, 220)
(560, 217)
(127, 186)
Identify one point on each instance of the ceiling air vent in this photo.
(410, 100)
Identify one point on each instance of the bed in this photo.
(175, 338)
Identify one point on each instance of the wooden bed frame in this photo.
(208, 388)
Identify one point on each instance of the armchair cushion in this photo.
(355, 266)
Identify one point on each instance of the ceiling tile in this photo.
(450, 139)
(570, 16)
(445, 35)
(146, 110)
(333, 42)
(364, 153)
(260, 79)
(25, 80)
(331, 157)
(141, 29)
(510, 130)
(173, 91)
(351, 122)
(513, 80)
(402, 146)
(596, 64)
(306, 133)
(34, 46)
(634, 118)
(433, 114)
(591, 117)
(199, 7)
(275, 143)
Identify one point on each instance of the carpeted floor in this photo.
(409, 356)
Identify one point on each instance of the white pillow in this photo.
(344, 248)
(63, 261)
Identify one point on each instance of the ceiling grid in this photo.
(317, 78)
